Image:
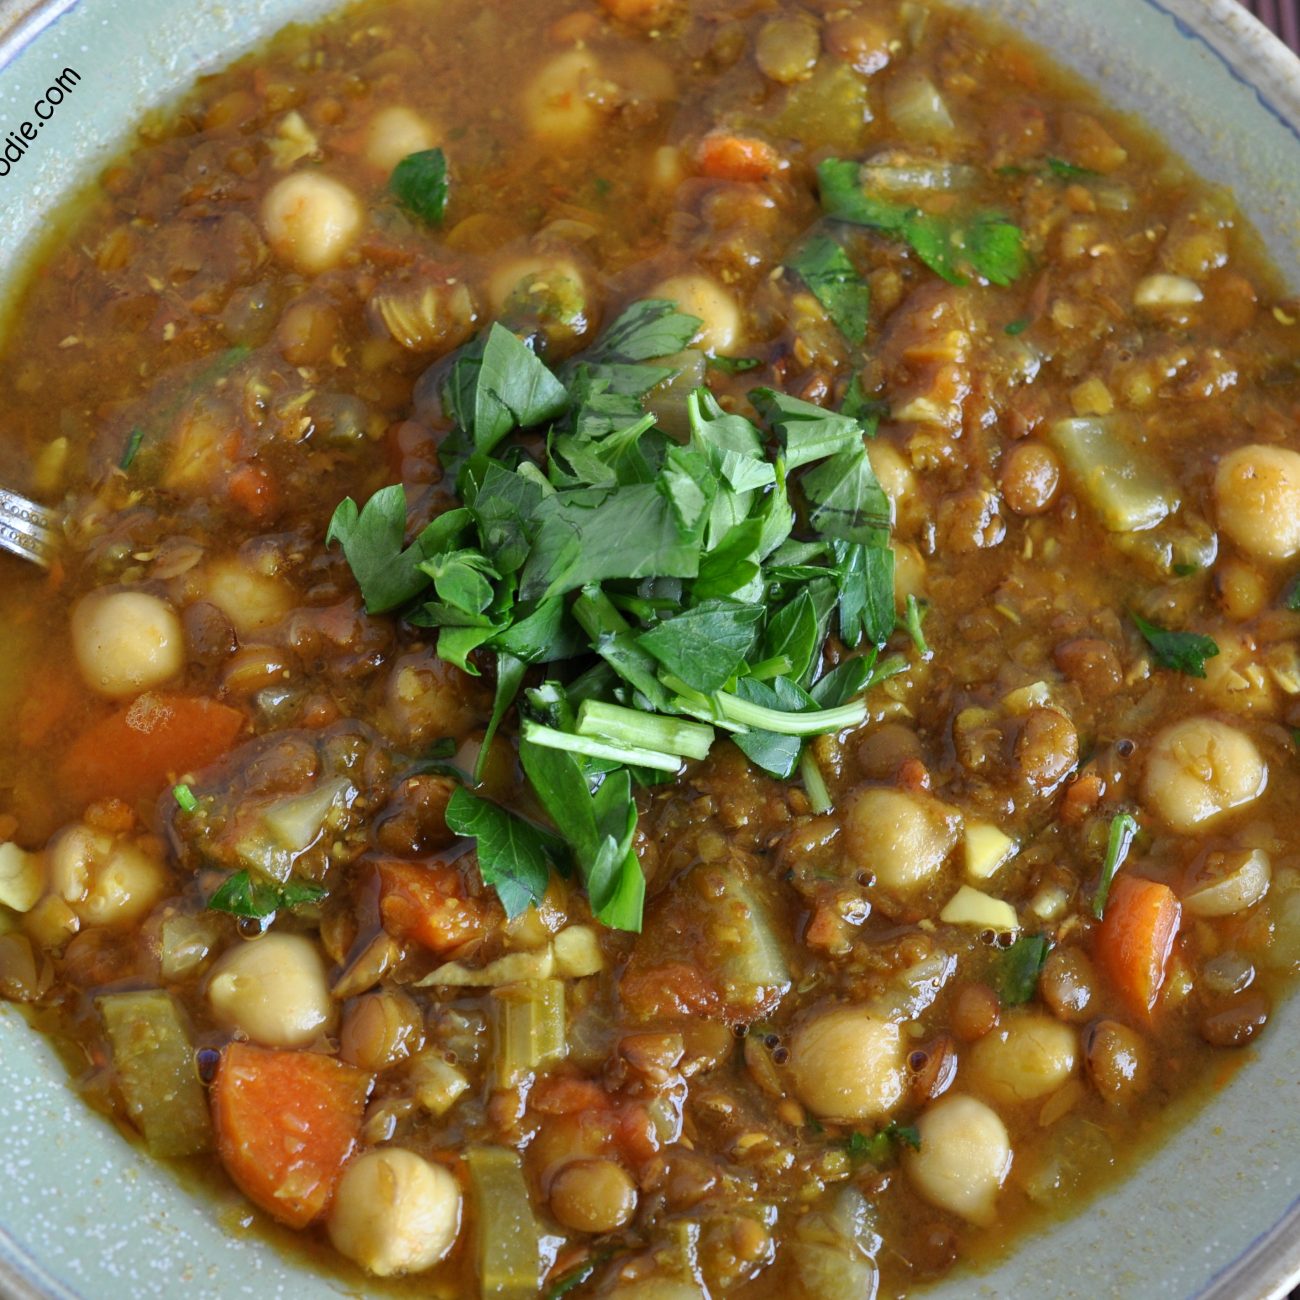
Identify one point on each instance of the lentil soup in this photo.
(674, 668)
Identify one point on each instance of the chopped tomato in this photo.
(286, 1124)
(1137, 937)
(134, 752)
(428, 903)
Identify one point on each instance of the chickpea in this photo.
(702, 296)
(311, 220)
(274, 990)
(249, 599)
(379, 1030)
(555, 103)
(848, 1065)
(307, 332)
(1241, 589)
(1117, 1062)
(964, 1158)
(105, 881)
(903, 838)
(593, 1196)
(395, 1212)
(1067, 983)
(396, 133)
(1235, 678)
(1031, 475)
(1026, 1057)
(126, 641)
(894, 475)
(550, 291)
(1199, 769)
(1257, 493)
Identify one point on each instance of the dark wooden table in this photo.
(1281, 16)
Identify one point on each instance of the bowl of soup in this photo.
(670, 669)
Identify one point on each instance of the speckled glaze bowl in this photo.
(1215, 1212)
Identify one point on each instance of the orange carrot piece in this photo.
(1136, 939)
(727, 157)
(429, 905)
(134, 752)
(286, 1123)
(254, 491)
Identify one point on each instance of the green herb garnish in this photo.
(185, 799)
(733, 365)
(1122, 830)
(419, 183)
(1182, 652)
(883, 1145)
(1017, 326)
(656, 585)
(979, 243)
(834, 281)
(913, 617)
(1019, 968)
(241, 895)
(133, 442)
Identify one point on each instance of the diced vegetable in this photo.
(286, 1123)
(511, 968)
(834, 1249)
(1113, 474)
(918, 110)
(1230, 883)
(185, 943)
(428, 904)
(507, 1237)
(748, 954)
(987, 849)
(530, 1029)
(21, 878)
(1136, 939)
(156, 1072)
(133, 753)
(972, 907)
(577, 952)
(436, 1083)
(287, 828)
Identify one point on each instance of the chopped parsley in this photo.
(983, 244)
(1182, 652)
(733, 365)
(658, 586)
(1122, 830)
(882, 1146)
(419, 183)
(242, 895)
(185, 799)
(133, 442)
(834, 281)
(1019, 968)
(1017, 326)
(1291, 594)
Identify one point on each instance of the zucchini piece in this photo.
(1122, 484)
(156, 1072)
(508, 1245)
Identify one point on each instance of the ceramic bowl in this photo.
(1213, 1213)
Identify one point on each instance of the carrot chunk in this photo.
(428, 903)
(727, 157)
(1136, 939)
(134, 752)
(286, 1123)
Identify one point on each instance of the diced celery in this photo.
(436, 1083)
(972, 907)
(287, 828)
(1127, 490)
(830, 107)
(508, 1244)
(156, 1072)
(530, 1028)
(918, 110)
(622, 726)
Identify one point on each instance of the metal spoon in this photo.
(27, 529)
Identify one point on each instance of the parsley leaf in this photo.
(512, 855)
(1122, 830)
(419, 183)
(834, 281)
(1183, 652)
(1063, 170)
(241, 895)
(881, 1146)
(706, 645)
(1020, 966)
(983, 243)
(733, 365)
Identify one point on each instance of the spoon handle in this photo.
(27, 529)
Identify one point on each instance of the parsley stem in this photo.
(1122, 830)
(814, 783)
(791, 724)
(616, 725)
(550, 738)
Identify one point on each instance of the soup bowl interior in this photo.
(1214, 1210)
